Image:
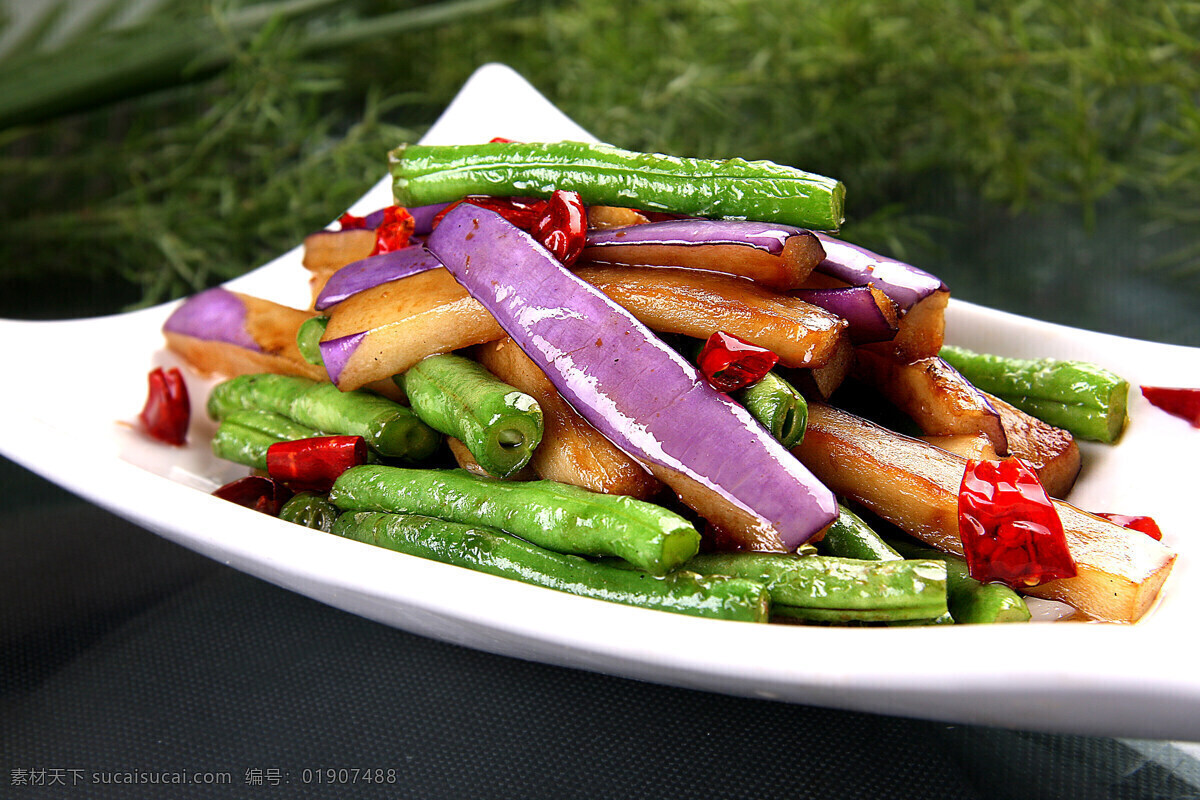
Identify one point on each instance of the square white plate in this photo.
(87, 382)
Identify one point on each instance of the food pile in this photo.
(664, 382)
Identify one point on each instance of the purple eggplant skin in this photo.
(857, 305)
(767, 236)
(423, 217)
(777, 256)
(336, 352)
(216, 315)
(641, 394)
(370, 272)
(905, 284)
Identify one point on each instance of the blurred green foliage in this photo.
(935, 113)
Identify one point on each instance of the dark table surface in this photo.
(126, 659)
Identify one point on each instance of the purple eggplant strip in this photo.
(337, 352)
(905, 284)
(856, 305)
(423, 218)
(766, 236)
(639, 393)
(216, 315)
(370, 272)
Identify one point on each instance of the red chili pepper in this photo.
(168, 410)
(350, 222)
(729, 363)
(312, 465)
(1183, 403)
(1138, 523)
(523, 212)
(256, 492)
(1010, 530)
(395, 230)
(501, 140)
(562, 226)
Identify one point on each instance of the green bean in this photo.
(308, 339)
(778, 406)
(850, 537)
(925, 615)
(969, 600)
(826, 588)
(274, 393)
(500, 425)
(388, 427)
(557, 516)
(606, 175)
(1083, 398)
(498, 553)
(245, 434)
(311, 511)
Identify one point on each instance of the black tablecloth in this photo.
(127, 662)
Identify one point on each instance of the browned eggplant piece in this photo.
(974, 446)
(272, 329)
(920, 332)
(921, 329)
(270, 326)
(1049, 451)
(914, 485)
(782, 271)
(325, 252)
(698, 304)
(823, 381)
(404, 321)
(605, 217)
(571, 450)
(400, 322)
(933, 394)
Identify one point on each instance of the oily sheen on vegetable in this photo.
(641, 394)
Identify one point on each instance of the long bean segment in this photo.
(308, 339)
(851, 537)
(838, 588)
(779, 406)
(1083, 398)
(970, 601)
(311, 511)
(557, 516)
(499, 424)
(388, 427)
(605, 175)
(245, 434)
(497, 553)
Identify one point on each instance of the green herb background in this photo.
(1042, 157)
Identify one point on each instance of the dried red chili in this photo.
(562, 226)
(312, 465)
(168, 409)
(350, 222)
(1010, 529)
(1183, 403)
(256, 492)
(394, 231)
(1141, 524)
(729, 363)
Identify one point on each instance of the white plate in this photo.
(87, 382)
